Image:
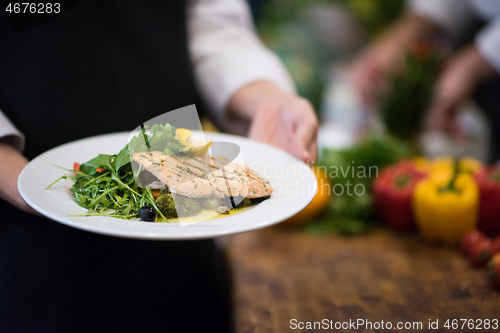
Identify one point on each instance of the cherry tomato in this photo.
(495, 246)
(494, 270)
(470, 239)
(480, 252)
(76, 167)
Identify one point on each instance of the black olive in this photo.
(147, 213)
(257, 200)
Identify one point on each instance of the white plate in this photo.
(294, 183)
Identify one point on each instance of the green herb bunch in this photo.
(352, 214)
(404, 104)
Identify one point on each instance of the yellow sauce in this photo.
(210, 214)
(233, 212)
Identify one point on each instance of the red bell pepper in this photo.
(495, 246)
(392, 193)
(488, 181)
(76, 167)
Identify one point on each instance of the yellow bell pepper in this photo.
(446, 209)
(422, 164)
(441, 169)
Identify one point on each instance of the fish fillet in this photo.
(203, 177)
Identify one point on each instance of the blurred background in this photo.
(327, 46)
(358, 255)
(317, 38)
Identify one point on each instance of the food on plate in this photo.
(172, 205)
(147, 213)
(190, 182)
(172, 178)
(203, 177)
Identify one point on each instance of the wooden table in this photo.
(281, 275)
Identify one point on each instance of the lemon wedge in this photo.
(184, 134)
(198, 151)
(193, 147)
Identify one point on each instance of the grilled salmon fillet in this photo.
(203, 177)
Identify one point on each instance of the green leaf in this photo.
(122, 158)
(101, 161)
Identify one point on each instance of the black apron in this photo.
(104, 66)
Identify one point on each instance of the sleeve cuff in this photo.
(227, 54)
(219, 81)
(451, 15)
(488, 43)
(10, 134)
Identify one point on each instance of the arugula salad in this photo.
(106, 184)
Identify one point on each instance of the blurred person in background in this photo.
(472, 69)
(108, 66)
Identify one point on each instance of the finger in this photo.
(304, 137)
(311, 150)
(313, 153)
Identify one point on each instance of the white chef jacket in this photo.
(226, 55)
(455, 15)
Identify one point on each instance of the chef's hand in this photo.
(11, 164)
(278, 118)
(461, 76)
(369, 71)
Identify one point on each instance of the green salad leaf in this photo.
(122, 159)
(160, 138)
(101, 161)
